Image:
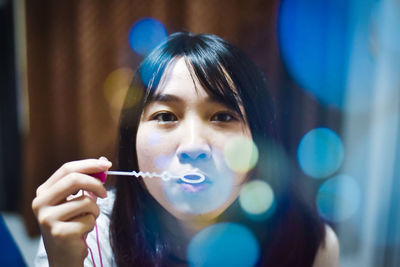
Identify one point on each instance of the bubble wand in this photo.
(189, 177)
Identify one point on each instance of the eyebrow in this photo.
(168, 98)
(164, 98)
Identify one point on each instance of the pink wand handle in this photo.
(102, 176)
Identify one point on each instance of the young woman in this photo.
(193, 96)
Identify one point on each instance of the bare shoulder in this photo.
(328, 252)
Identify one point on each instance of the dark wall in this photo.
(10, 165)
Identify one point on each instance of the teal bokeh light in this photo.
(320, 153)
(223, 244)
(338, 198)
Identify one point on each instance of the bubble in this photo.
(313, 38)
(241, 154)
(320, 153)
(223, 244)
(338, 198)
(256, 197)
(146, 34)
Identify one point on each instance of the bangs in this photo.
(216, 81)
(206, 62)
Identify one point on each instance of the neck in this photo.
(180, 232)
(191, 227)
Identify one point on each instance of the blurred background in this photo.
(333, 67)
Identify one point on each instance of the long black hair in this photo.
(290, 237)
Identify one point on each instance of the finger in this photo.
(68, 185)
(67, 211)
(75, 228)
(86, 166)
(75, 208)
(83, 224)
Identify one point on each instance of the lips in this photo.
(194, 188)
(190, 183)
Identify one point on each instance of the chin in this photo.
(199, 217)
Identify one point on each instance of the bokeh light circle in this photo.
(256, 197)
(241, 154)
(338, 198)
(223, 244)
(313, 38)
(116, 87)
(162, 161)
(154, 138)
(320, 153)
(146, 34)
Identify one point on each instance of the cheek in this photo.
(154, 186)
(145, 154)
(141, 148)
(152, 150)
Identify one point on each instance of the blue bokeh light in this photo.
(146, 34)
(320, 153)
(223, 244)
(338, 198)
(314, 46)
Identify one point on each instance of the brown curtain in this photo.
(74, 45)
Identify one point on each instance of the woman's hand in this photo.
(65, 221)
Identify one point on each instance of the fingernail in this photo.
(103, 158)
(105, 162)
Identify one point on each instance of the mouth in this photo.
(193, 182)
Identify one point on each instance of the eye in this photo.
(223, 117)
(165, 117)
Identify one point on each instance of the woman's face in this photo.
(184, 130)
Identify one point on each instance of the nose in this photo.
(193, 152)
(194, 146)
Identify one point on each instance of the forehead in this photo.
(179, 79)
